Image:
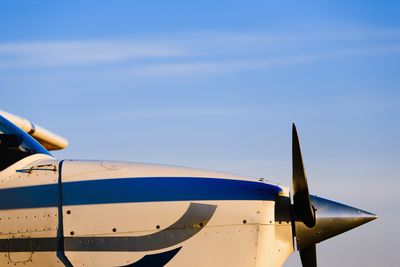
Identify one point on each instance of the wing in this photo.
(49, 140)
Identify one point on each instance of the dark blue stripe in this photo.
(127, 190)
(38, 196)
(153, 189)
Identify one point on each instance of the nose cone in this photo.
(332, 218)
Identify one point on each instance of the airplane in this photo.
(106, 213)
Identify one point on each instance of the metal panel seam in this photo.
(60, 231)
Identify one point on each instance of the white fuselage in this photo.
(101, 213)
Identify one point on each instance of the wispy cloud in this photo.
(201, 52)
(196, 67)
(215, 67)
(172, 113)
(50, 54)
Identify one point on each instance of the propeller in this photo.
(317, 219)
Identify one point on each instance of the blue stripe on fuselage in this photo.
(37, 196)
(126, 190)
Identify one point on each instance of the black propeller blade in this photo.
(309, 256)
(304, 210)
(302, 205)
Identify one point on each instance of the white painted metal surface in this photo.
(240, 233)
(28, 223)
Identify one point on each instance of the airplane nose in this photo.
(332, 218)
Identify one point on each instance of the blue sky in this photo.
(217, 86)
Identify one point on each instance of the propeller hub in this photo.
(332, 218)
